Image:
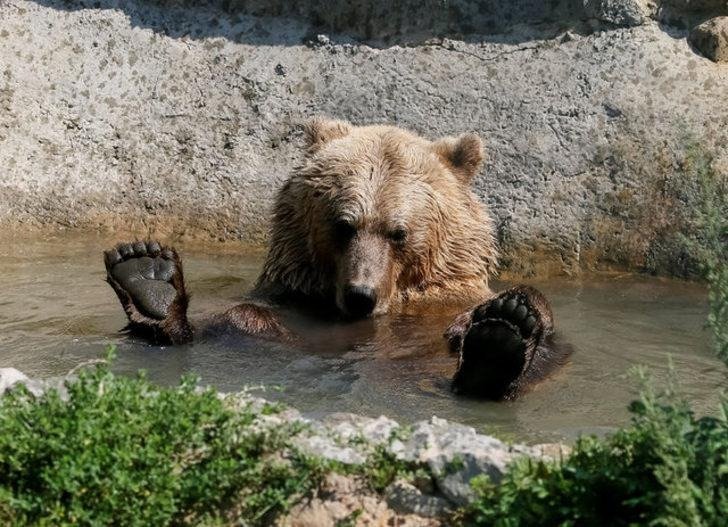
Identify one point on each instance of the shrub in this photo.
(709, 218)
(718, 316)
(668, 468)
(121, 451)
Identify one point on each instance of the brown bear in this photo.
(375, 220)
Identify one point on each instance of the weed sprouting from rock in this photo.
(709, 246)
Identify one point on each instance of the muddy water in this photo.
(56, 312)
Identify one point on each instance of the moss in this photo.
(657, 220)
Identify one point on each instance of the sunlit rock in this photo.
(711, 39)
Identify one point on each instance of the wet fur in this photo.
(380, 178)
(174, 328)
(372, 172)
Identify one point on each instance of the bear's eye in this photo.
(344, 230)
(398, 235)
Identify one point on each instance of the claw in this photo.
(126, 251)
(140, 248)
(111, 257)
(153, 248)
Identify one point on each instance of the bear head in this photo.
(376, 218)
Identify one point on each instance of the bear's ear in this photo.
(463, 155)
(320, 131)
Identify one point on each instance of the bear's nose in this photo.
(359, 300)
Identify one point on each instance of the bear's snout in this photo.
(359, 300)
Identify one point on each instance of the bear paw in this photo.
(498, 346)
(512, 308)
(148, 280)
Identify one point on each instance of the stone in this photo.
(328, 449)
(351, 427)
(345, 437)
(711, 39)
(455, 454)
(688, 6)
(621, 12)
(10, 377)
(405, 498)
(344, 500)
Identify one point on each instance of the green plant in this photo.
(350, 521)
(718, 316)
(709, 219)
(382, 468)
(668, 468)
(668, 213)
(122, 451)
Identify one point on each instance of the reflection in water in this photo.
(56, 311)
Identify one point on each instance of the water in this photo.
(56, 312)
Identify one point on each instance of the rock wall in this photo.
(179, 119)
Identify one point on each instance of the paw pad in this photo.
(512, 308)
(145, 272)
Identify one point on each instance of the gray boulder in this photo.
(455, 454)
(346, 438)
(711, 39)
(10, 377)
(405, 498)
(691, 6)
(621, 12)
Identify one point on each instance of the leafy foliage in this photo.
(668, 468)
(709, 218)
(121, 451)
(383, 468)
(718, 316)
